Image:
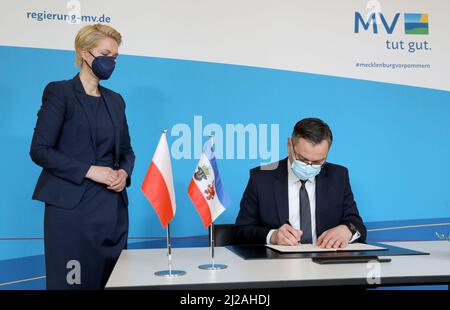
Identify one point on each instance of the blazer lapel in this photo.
(79, 93)
(321, 185)
(281, 191)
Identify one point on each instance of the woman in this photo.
(81, 141)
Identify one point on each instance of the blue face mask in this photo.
(103, 66)
(302, 170)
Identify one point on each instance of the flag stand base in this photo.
(212, 267)
(170, 273)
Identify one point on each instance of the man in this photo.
(302, 198)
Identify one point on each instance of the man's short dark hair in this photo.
(314, 130)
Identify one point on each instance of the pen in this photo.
(289, 223)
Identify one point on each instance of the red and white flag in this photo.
(158, 183)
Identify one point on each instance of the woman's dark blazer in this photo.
(64, 144)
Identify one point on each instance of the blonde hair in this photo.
(88, 37)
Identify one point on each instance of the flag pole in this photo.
(169, 249)
(212, 244)
(213, 265)
(169, 273)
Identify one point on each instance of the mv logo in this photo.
(414, 23)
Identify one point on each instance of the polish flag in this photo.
(158, 183)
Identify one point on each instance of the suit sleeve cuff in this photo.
(83, 170)
(126, 168)
(269, 235)
(128, 171)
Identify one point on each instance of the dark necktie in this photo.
(305, 215)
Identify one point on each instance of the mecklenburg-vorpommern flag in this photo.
(206, 189)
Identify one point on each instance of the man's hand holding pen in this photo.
(286, 235)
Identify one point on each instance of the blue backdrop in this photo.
(393, 138)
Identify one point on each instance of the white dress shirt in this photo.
(294, 185)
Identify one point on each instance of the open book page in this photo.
(305, 248)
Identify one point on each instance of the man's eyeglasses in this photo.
(305, 162)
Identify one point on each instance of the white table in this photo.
(135, 270)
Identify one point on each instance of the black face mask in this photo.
(103, 66)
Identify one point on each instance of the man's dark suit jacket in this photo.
(265, 203)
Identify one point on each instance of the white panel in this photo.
(306, 36)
